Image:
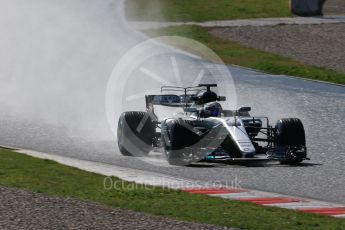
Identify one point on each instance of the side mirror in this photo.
(244, 109)
(190, 110)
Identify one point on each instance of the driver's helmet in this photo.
(213, 109)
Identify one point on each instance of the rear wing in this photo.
(184, 90)
(173, 100)
(168, 100)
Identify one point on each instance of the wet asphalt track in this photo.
(321, 107)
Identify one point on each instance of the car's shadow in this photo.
(250, 164)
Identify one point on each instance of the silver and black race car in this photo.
(195, 128)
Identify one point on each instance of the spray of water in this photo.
(56, 57)
(56, 61)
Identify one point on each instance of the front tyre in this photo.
(178, 137)
(291, 135)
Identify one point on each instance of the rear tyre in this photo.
(291, 134)
(135, 133)
(181, 135)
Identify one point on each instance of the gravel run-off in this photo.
(21, 209)
(318, 45)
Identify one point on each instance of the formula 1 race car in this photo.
(202, 130)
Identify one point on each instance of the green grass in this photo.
(204, 10)
(48, 177)
(238, 54)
